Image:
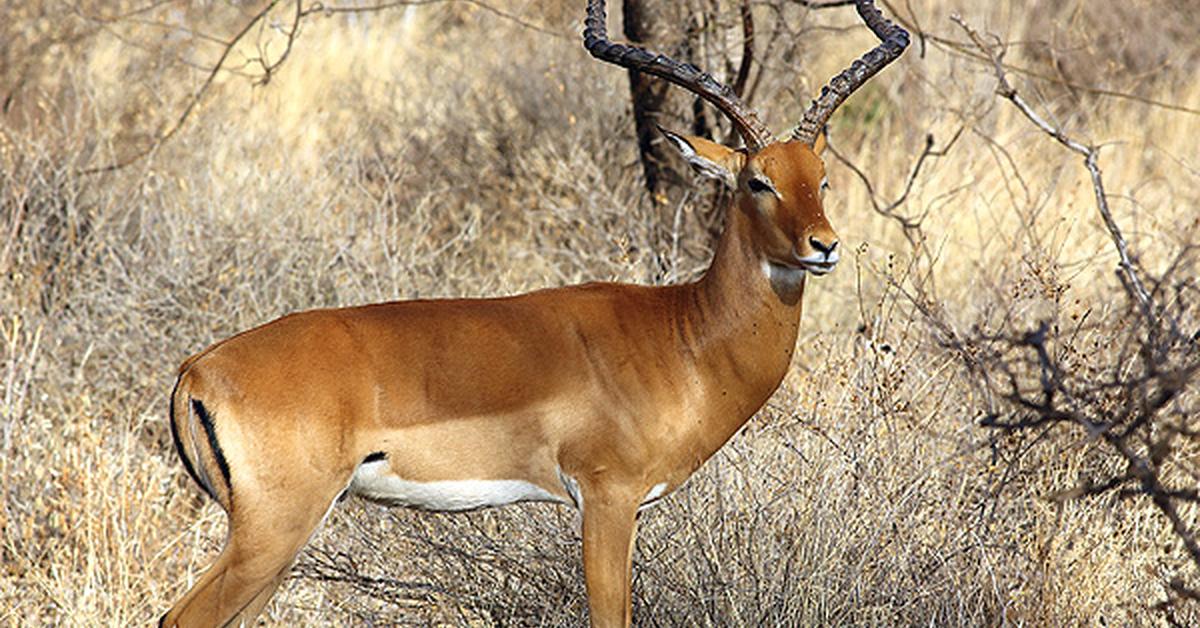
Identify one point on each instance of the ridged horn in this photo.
(595, 39)
(894, 40)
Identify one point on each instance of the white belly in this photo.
(374, 481)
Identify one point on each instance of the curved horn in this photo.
(894, 40)
(595, 39)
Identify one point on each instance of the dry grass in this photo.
(444, 152)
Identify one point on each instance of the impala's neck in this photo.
(741, 273)
(744, 316)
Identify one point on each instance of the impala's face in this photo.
(781, 188)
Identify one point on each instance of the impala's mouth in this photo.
(820, 269)
(818, 263)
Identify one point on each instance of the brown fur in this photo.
(620, 387)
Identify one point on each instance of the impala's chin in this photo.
(818, 263)
(820, 269)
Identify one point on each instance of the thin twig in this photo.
(951, 45)
(908, 224)
(269, 68)
(193, 101)
(318, 7)
(824, 4)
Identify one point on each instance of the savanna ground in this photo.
(451, 150)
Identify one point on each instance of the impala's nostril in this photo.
(821, 246)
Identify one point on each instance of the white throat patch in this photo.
(787, 276)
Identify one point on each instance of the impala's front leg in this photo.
(609, 526)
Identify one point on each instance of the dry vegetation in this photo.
(448, 150)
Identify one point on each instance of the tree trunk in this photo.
(643, 20)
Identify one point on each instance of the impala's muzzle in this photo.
(822, 259)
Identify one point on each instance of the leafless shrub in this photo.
(1120, 385)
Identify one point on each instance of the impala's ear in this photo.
(820, 144)
(709, 158)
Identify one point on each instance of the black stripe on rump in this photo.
(187, 462)
(375, 457)
(210, 431)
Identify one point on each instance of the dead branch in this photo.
(1090, 154)
(911, 225)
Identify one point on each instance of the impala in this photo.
(601, 396)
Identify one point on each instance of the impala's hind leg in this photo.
(264, 538)
(256, 606)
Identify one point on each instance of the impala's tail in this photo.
(195, 437)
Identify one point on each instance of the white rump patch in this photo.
(374, 481)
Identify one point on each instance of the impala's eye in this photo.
(824, 185)
(758, 185)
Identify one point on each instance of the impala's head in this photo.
(779, 184)
(781, 189)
